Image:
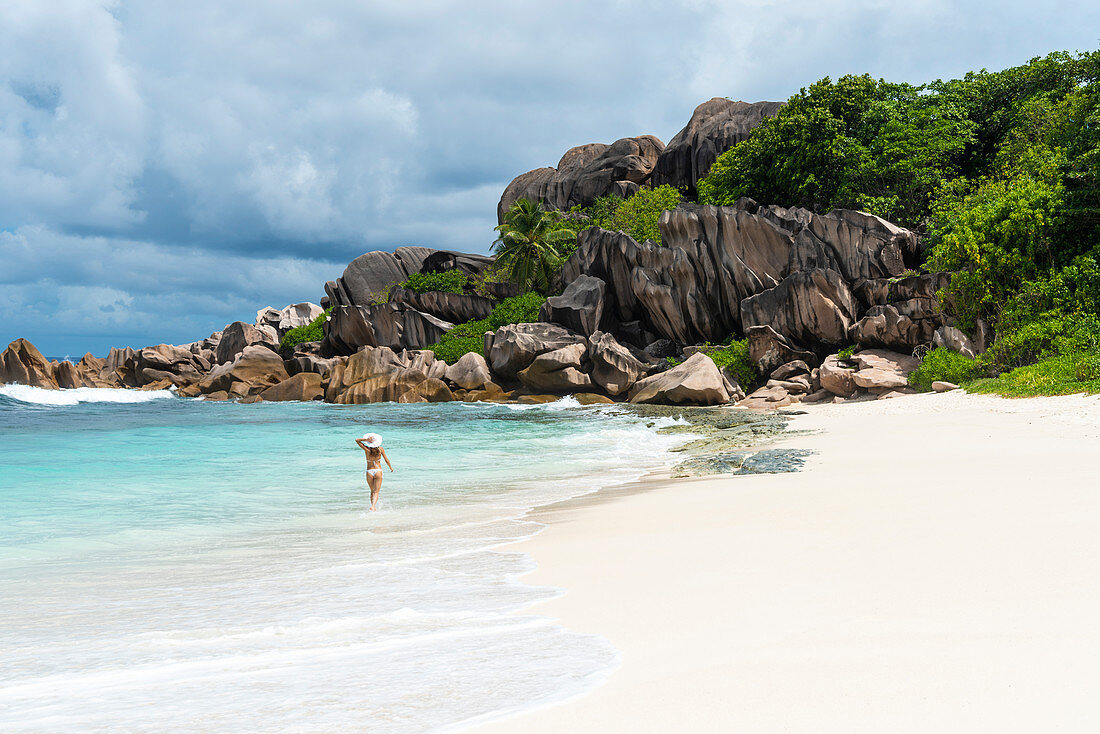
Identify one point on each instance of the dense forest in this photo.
(998, 172)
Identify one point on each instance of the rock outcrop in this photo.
(615, 369)
(696, 381)
(390, 325)
(251, 372)
(586, 173)
(22, 363)
(715, 127)
(810, 307)
(239, 335)
(726, 270)
(470, 372)
(948, 337)
(514, 347)
(303, 386)
(378, 374)
(455, 308)
(768, 349)
(873, 371)
(369, 277)
(558, 371)
(290, 317)
(579, 308)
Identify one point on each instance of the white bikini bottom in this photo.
(372, 472)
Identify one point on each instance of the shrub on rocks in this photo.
(943, 365)
(311, 332)
(448, 281)
(468, 337)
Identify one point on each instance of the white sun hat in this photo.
(373, 440)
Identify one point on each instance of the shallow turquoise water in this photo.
(212, 566)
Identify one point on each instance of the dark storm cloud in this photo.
(167, 167)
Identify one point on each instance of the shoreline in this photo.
(922, 601)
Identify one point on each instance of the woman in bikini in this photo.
(372, 447)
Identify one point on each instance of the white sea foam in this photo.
(76, 395)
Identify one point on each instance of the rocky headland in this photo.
(831, 305)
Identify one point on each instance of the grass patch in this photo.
(1065, 374)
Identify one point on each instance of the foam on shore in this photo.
(77, 395)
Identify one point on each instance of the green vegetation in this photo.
(531, 245)
(448, 281)
(943, 365)
(311, 332)
(846, 353)
(997, 172)
(734, 356)
(855, 143)
(1062, 375)
(469, 337)
(636, 215)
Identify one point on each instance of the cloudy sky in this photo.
(168, 167)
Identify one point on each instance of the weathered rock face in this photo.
(390, 325)
(291, 317)
(309, 363)
(614, 368)
(696, 381)
(855, 244)
(514, 347)
(22, 363)
(714, 127)
(442, 260)
(645, 282)
(302, 386)
(377, 374)
(557, 371)
(884, 291)
(579, 308)
(901, 313)
(948, 337)
(586, 173)
(369, 277)
(883, 371)
(239, 335)
(715, 259)
(456, 308)
(809, 306)
(886, 326)
(91, 369)
(167, 358)
(66, 375)
(470, 372)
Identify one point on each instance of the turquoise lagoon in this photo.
(172, 564)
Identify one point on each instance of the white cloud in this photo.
(174, 153)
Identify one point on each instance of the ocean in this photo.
(178, 565)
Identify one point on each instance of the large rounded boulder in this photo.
(696, 381)
(715, 127)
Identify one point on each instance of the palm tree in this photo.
(530, 243)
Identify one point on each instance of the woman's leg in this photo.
(374, 481)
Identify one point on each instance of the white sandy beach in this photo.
(935, 568)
